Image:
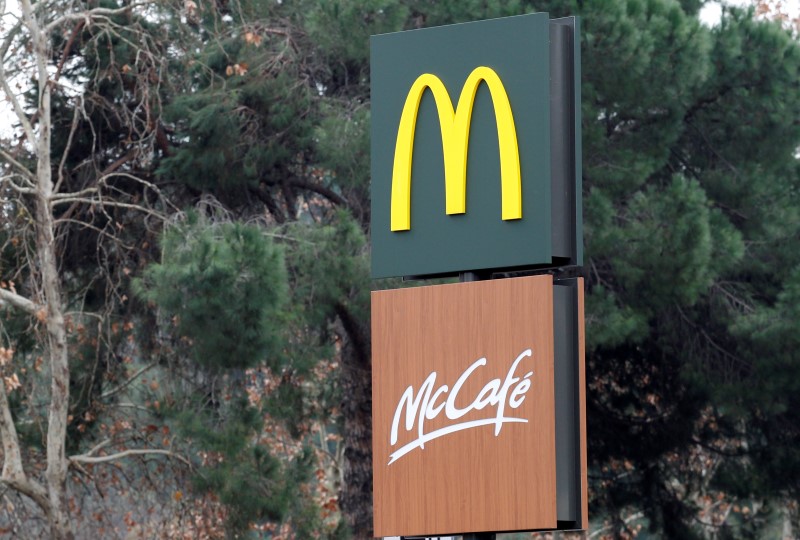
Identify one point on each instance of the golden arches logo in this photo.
(454, 125)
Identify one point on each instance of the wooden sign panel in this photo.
(463, 408)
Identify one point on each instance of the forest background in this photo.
(184, 247)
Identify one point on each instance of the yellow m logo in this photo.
(455, 141)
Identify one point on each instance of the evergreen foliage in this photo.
(691, 237)
(224, 285)
(330, 268)
(254, 485)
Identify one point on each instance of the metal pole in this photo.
(473, 276)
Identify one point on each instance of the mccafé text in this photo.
(430, 401)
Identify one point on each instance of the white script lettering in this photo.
(422, 405)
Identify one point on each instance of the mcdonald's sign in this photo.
(475, 147)
(455, 144)
(476, 169)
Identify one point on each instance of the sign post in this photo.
(478, 386)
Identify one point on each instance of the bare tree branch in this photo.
(23, 170)
(12, 33)
(102, 444)
(134, 406)
(625, 521)
(322, 190)
(98, 230)
(23, 118)
(129, 381)
(18, 110)
(117, 164)
(32, 489)
(12, 458)
(19, 189)
(19, 301)
(67, 48)
(72, 129)
(89, 14)
(13, 474)
(102, 202)
(84, 458)
(102, 181)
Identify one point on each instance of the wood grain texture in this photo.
(582, 409)
(471, 480)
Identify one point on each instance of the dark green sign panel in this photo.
(471, 99)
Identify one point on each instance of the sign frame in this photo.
(476, 172)
(433, 332)
(469, 224)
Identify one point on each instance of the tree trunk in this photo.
(787, 533)
(53, 315)
(56, 474)
(355, 499)
(356, 496)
